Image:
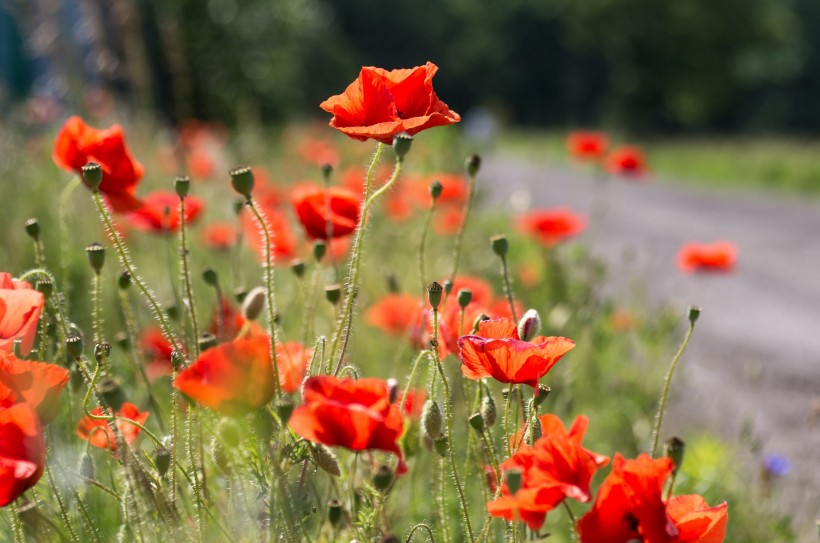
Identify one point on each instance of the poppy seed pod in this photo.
(448, 286)
(465, 296)
(124, 280)
(325, 459)
(513, 479)
(242, 180)
(694, 313)
(392, 390)
(541, 394)
(441, 445)
(182, 185)
(401, 144)
(431, 420)
(488, 410)
(477, 422)
(92, 175)
(529, 325)
(162, 460)
(206, 341)
(472, 164)
(334, 512)
(74, 346)
(111, 393)
(253, 304)
(319, 250)
(434, 294)
(435, 189)
(210, 277)
(45, 286)
(102, 351)
(500, 245)
(96, 256)
(383, 478)
(674, 448)
(33, 229)
(297, 266)
(333, 293)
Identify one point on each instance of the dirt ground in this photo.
(755, 356)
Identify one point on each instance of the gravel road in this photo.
(755, 355)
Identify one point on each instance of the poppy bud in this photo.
(431, 419)
(529, 325)
(206, 341)
(162, 460)
(534, 431)
(325, 459)
(674, 449)
(513, 479)
(253, 304)
(45, 286)
(86, 467)
(477, 422)
(334, 512)
(488, 411)
(541, 394)
(111, 393)
(124, 280)
(401, 145)
(333, 293)
(694, 313)
(102, 351)
(393, 283)
(177, 359)
(284, 407)
(210, 277)
(472, 164)
(228, 431)
(441, 445)
(74, 346)
(481, 318)
(182, 185)
(465, 296)
(92, 175)
(33, 229)
(239, 294)
(242, 181)
(392, 389)
(434, 294)
(297, 266)
(96, 256)
(500, 245)
(435, 189)
(448, 286)
(382, 478)
(319, 250)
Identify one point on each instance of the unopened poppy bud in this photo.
(284, 408)
(477, 422)
(253, 304)
(393, 283)
(242, 181)
(33, 229)
(472, 164)
(124, 280)
(210, 277)
(513, 479)
(327, 170)
(481, 318)
(162, 460)
(694, 313)
(177, 359)
(448, 286)
(319, 250)
(92, 175)
(111, 393)
(441, 445)
(297, 266)
(434, 294)
(431, 419)
(541, 394)
(383, 478)
(435, 189)
(465, 296)
(401, 144)
(74, 346)
(325, 459)
(488, 411)
(182, 185)
(102, 351)
(86, 467)
(228, 431)
(534, 431)
(500, 245)
(45, 286)
(674, 449)
(96, 256)
(334, 512)
(529, 325)
(206, 341)
(333, 293)
(392, 390)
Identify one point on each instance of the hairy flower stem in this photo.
(64, 241)
(60, 505)
(96, 314)
(200, 519)
(87, 522)
(656, 433)
(439, 485)
(507, 419)
(423, 248)
(573, 535)
(184, 259)
(447, 400)
(412, 377)
(505, 272)
(460, 235)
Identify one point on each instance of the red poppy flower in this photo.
(104, 438)
(159, 212)
(448, 221)
(22, 451)
(554, 468)
(284, 245)
(414, 402)
(587, 145)
(627, 161)
(552, 226)
(395, 314)
(20, 308)
(719, 256)
(326, 213)
(233, 378)
(481, 289)
(200, 164)
(220, 235)
(319, 152)
(497, 352)
(696, 521)
(158, 350)
(78, 144)
(380, 104)
(292, 359)
(227, 322)
(357, 415)
(35, 383)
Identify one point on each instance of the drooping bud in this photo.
(242, 181)
(513, 479)
(319, 250)
(86, 467)
(435, 189)
(694, 313)
(383, 478)
(674, 448)
(210, 277)
(253, 304)
(333, 293)
(441, 445)
(541, 394)
(111, 393)
(96, 256)
(74, 346)
(431, 420)
(92, 175)
(488, 411)
(102, 351)
(434, 291)
(325, 459)
(334, 512)
(472, 164)
(477, 422)
(182, 185)
(228, 431)
(481, 318)
(401, 145)
(33, 229)
(45, 286)
(534, 431)
(464, 296)
(297, 266)
(206, 341)
(162, 460)
(392, 390)
(124, 280)
(500, 245)
(529, 325)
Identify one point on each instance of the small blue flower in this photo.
(777, 465)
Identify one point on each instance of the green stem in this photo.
(507, 419)
(412, 376)
(19, 536)
(573, 535)
(422, 247)
(61, 505)
(488, 444)
(200, 520)
(460, 235)
(508, 286)
(441, 502)
(186, 277)
(89, 525)
(64, 245)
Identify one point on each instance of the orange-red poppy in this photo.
(719, 256)
(696, 521)
(555, 467)
(37, 384)
(78, 144)
(20, 308)
(292, 358)
(552, 226)
(497, 352)
(104, 437)
(158, 351)
(160, 214)
(22, 451)
(227, 321)
(319, 152)
(627, 161)
(357, 415)
(326, 213)
(395, 313)
(414, 402)
(588, 146)
(380, 104)
(233, 378)
(283, 242)
(220, 235)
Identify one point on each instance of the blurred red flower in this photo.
(497, 352)
(220, 235)
(696, 521)
(589, 146)
(292, 358)
(357, 415)
(555, 467)
(326, 213)
(20, 308)
(233, 378)
(160, 214)
(719, 256)
(104, 438)
(627, 161)
(552, 226)
(22, 451)
(158, 350)
(414, 402)
(284, 245)
(78, 144)
(227, 321)
(319, 152)
(395, 313)
(37, 384)
(380, 104)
